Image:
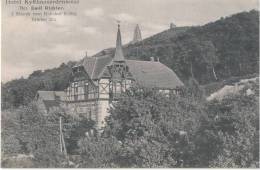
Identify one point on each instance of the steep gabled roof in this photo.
(146, 73)
(153, 74)
(94, 66)
(89, 63)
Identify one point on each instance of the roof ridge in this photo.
(105, 56)
(144, 61)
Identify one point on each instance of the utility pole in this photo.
(62, 141)
(64, 146)
(60, 136)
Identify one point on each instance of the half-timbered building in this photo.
(98, 81)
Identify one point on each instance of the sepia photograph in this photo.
(129, 84)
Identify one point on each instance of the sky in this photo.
(28, 46)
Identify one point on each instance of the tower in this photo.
(119, 56)
(137, 35)
(118, 68)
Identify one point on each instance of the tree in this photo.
(97, 152)
(10, 128)
(21, 92)
(209, 53)
(234, 128)
(155, 131)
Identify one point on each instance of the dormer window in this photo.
(77, 69)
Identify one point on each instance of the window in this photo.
(89, 114)
(91, 92)
(72, 89)
(85, 90)
(76, 91)
(117, 89)
(166, 92)
(80, 90)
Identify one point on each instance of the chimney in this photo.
(152, 58)
(158, 59)
(86, 54)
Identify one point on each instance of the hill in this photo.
(21, 91)
(210, 53)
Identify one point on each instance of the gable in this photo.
(95, 66)
(79, 73)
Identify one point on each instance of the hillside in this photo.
(21, 91)
(228, 46)
(210, 53)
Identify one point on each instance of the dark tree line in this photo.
(21, 91)
(215, 51)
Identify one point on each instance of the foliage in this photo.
(145, 129)
(21, 91)
(241, 139)
(228, 136)
(37, 134)
(151, 130)
(75, 130)
(154, 130)
(99, 152)
(227, 47)
(10, 127)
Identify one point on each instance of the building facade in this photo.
(98, 81)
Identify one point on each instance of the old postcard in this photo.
(130, 84)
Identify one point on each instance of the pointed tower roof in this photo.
(119, 56)
(137, 34)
